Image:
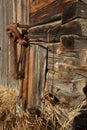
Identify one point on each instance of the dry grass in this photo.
(53, 117)
(8, 118)
(60, 116)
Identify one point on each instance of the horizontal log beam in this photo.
(74, 10)
(73, 42)
(48, 12)
(50, 33)
(74, 27)
(67, 71)
(68, 93)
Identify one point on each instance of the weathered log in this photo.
(68, 60)
(25, 81)
(68, 88)
(75, 27)
(68, 93)
(66, 71)
(51, 32)
(73, 42)
(47, 11)
(77, 58)
(77, 9)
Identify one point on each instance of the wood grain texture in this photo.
(10, 11)
(37, 71)
(40, 72)
(31, 79)
(51, 32)
(47, 11)
(77, 9)
(74, 42)
(45, 33)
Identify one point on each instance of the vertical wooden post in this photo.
(31, 78)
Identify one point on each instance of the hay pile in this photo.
(53, 117)
(61, 117)
(8, 118)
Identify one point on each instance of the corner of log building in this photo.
(48, 67)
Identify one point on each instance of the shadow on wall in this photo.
(80, 121)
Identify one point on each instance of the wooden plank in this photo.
(47, 11)
(12, 17)
(18, 11)
(77, 9)
(40, 72)
(25, 80)
(66, 87)
(2, 41)
(76, 27)
(31, 79)
(9, 56)
(27, 11)
(37, 68)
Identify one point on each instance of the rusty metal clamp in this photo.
(13, 32)
(21, 38)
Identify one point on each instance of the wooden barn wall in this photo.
(65, 38)
(46, 11)
(10, 11)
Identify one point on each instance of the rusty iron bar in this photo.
(20, 65)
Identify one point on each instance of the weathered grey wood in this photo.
(77, 9)
(66, 71)
(67, 90)
(40, 72)
(1, 40)
(4, 42)
(11, 18)
(68, 60)
(37, 71)
(78, 58)
(10, 11)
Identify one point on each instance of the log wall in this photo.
(63, 30)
